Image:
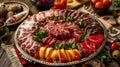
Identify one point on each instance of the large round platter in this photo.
(25, 7)
(42, 61)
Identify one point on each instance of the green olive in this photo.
(116, 53)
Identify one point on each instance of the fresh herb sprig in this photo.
(116, 3)
(81, 24)
(40, 35)
(65, 46)
(82, 38)
(67, 18)
(55, 18)
(40, 24)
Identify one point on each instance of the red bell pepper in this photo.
(60, 4)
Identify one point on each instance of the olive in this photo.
(116, 54)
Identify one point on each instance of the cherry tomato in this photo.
(36, 55)
(44, 1)
(118, 14)
(63, 60)
(48, 59)
(106, 2)
(99, 4)
(114, 46)
(77, 57)
(47, 46)
(94, 1)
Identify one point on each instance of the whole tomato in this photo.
(118, 14)
(114, 46)
(48, 59)
(60, 4)
(36, 55)
(99, 4)
(106, 2)
(77, 57)
(63, 60)
(44, 1)
(94, 1)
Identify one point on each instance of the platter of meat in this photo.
(15, 12)
(60, 37)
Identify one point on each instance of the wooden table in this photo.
(8, 43)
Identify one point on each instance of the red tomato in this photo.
(48, 59)
(94, 1)
(99, 4)
(77, 57)
(36, 55)
(106, 2)
(118, 14)
(47, 46)
(44, 1)
(114, 46)
(63, 60)
(60, 4)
